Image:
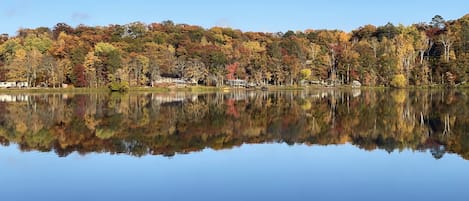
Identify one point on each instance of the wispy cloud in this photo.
(14, 8)
(79, 17)
(223, 23)
(10, 12)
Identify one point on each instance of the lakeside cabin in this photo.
(236, 83)
(18, 84)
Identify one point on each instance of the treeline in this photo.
(139, 54)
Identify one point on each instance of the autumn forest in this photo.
(423, 54)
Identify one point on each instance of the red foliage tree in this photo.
(231, 69)
(79, 72)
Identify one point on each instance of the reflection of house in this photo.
(436, 148)
(356, 92)
(173, 97)
(236, 96)
(13, 84)
(13, 98)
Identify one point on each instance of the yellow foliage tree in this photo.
(399, 81)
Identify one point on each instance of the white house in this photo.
(21, 84)
(237, 83)
(7, 84)
(13, 84)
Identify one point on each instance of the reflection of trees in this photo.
(140, 124)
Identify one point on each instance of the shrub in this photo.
(399, 81)
(119, 86)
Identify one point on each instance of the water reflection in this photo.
(166, 124)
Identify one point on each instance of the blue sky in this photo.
(247, 15)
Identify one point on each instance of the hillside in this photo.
(140, 54)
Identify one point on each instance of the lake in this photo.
(243, 145)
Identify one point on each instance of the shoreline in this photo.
(195, 89)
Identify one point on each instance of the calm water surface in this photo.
(309, 145)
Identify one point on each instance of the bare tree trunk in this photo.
(447, 43)
(422, 52)
(374, 45)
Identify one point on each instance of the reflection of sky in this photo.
(252, 172)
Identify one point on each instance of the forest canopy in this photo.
(140, 54)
